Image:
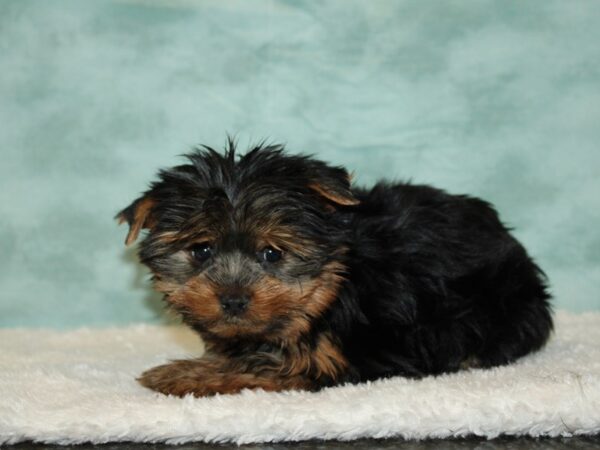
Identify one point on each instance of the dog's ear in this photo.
(332, 183)
(138, 215)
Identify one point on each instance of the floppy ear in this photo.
(138, 216)
(333, 183)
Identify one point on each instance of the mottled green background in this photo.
(496, 98)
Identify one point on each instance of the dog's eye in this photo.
(270, 254)
(201, 252)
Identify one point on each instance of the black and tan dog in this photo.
(296, 280)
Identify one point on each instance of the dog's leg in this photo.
(210, 376)
(302, 366)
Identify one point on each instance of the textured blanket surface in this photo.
(79, 386)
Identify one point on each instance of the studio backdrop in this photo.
(495, 99)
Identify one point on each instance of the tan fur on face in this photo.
(197, 297)
(296, 305)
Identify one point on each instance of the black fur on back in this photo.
(435, 282)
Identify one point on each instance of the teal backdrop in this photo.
(498, 99)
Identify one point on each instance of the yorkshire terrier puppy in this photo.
(297, 280)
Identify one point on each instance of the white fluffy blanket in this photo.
(78, 386)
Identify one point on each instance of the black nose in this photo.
(234, 305)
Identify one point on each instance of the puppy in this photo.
(296, 280)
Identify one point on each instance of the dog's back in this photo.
(437, 283)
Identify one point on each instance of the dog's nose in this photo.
(234, 305)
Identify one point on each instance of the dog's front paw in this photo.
(178, 378)
(205, 377)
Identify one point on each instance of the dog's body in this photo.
(297, 281)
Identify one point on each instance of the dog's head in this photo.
(248, 246)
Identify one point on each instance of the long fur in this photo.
(398, 279)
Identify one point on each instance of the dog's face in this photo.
(245, 248)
